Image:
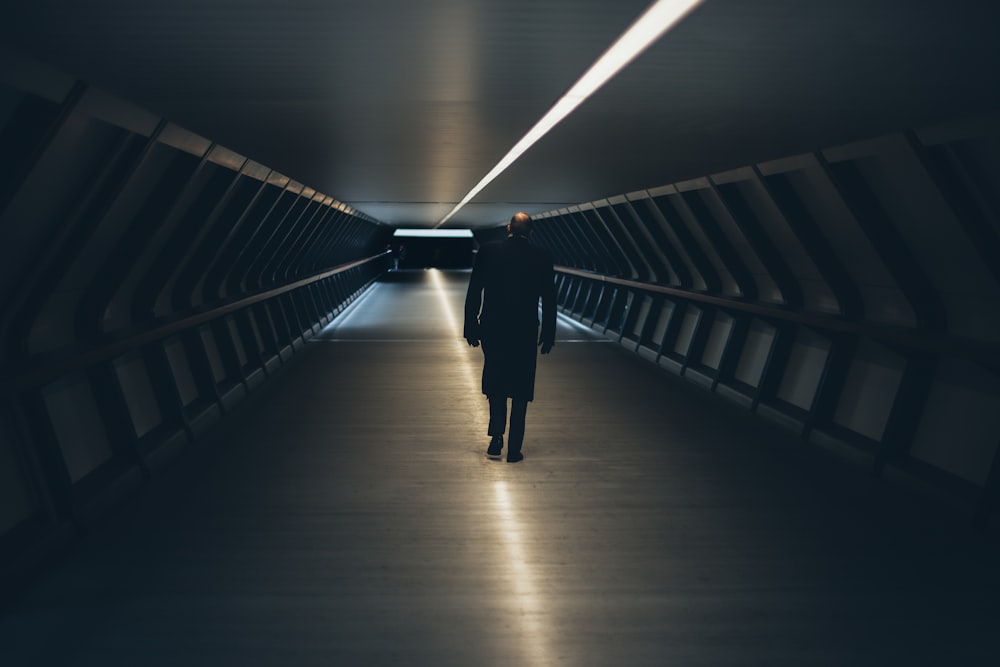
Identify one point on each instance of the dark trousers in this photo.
(498, 420)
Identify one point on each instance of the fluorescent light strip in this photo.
(434, 233)
(655, 21)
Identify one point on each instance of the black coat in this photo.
(501, 311)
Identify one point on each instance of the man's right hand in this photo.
(474, 342)
(546, 346)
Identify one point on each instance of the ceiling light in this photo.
(654, 22)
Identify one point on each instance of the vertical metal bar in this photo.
(10, 188)
(611, 244)
(733, 348)
(661, 206)
(46, 456)
(775, 363)
(257, 250)
(669, 255)
(132, 249)
(831, 383)
(334, 229)
(888, 243)
(640, 268)
(656, 270)
(904, 416)
(115, 415)
(958, 188)
(49, 269)
(143, 298)
(231, 277)
(721, 244)
(783, 196)
(989, 499)
(165, 389)
(292, 267)
(200, 244)
(706, 317)
(569, 241)
(278, 254)
(669, 338)
(760, 243)
(227, 248)
(593, 253)
(200, 366)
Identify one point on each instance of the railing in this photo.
(37, 370)
(65, 474)
(920, 351)
(911, 338)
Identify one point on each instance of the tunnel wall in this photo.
(851, 294)
(149, 279)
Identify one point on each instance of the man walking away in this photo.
(501, 312)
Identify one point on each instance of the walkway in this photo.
(347, 515)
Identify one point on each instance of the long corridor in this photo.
(345, 514)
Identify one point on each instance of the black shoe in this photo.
(496, 444)
(514, 457)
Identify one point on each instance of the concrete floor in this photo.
(347, 515)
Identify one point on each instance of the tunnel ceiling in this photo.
(399, 107)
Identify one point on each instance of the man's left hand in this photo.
(474, 342)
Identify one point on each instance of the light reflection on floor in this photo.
(525, 602)
(447, 311)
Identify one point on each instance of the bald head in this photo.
(520, 224)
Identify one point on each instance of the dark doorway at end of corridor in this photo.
(436, 253)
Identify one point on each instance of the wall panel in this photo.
(913, 203)
(869, 391)
(146, 286)
(137, 388)
(716, 340)
(851, 294)
(960, 429)
(754, 353)
(817, 293)
(686, 333)
(804, 369)
(731, 243)
(76, 422)
(883, 300)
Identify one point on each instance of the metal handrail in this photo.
(909, 337)
(38, 369)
